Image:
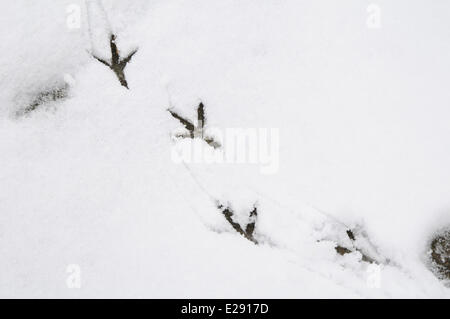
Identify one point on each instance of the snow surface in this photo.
(89, 180)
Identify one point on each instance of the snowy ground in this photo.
(93, 204)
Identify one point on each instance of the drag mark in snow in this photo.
(51, 95)
(228, 213)
(440, 255)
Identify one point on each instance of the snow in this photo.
(90, 180)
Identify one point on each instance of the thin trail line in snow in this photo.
(105, 15)
(317, 210)
(298, 262)
(99, 3)
(301, 264)
(384, 260)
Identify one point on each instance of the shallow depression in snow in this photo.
(88, 176)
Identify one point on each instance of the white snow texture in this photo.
(92, 203)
